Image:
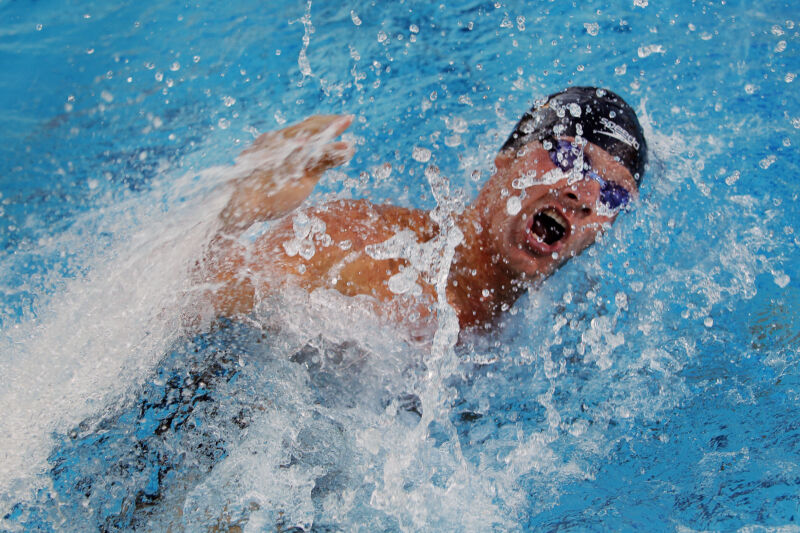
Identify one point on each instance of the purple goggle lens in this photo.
(564, 154)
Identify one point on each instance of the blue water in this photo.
(651, 384)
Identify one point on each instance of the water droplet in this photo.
(381, 172)
(107, 96)
(781, 279)
(750, 88)
(650, 49)
(708, 321)
(790, 76)
(423, 155)
(767, 161)
(513, 205)
(355, 18)
(640, 3)
(382, 36)
(592, 28)
(452, 140)
(228, 101)
(175, 66)
(457, 124)
(414, 28)
(224, 123)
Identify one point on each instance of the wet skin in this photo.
(501, 255)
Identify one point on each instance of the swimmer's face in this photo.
(560, 213)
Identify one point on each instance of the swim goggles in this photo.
(564, 154)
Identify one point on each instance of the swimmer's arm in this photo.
(282, 169)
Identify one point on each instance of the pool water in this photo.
(651, 384)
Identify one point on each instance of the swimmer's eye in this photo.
(564, 155)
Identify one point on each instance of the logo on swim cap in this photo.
(617, 132)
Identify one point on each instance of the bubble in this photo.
(414, 28)
(592, 28)
(107, 96)
(640, 3)
(228, 101)
(224, 123)
(175, 66)
(382, 36)
(354, 16)
(708, 322)
(780, 47)
(790, 76)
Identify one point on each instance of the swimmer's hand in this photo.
(282, 167)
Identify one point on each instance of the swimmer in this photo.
(574, 163)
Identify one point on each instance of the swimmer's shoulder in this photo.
(382, 220)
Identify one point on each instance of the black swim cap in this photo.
(597, 115)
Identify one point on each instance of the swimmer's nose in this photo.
(580, 197)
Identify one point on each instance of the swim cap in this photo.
(597, 115)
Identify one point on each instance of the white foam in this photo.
(100, 333)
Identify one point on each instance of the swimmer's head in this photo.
(540, 208)
(599, 116)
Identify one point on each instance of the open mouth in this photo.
(547, 229)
